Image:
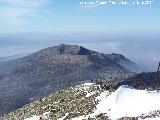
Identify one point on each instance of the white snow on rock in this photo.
(64, 117)
(125, 101)
(88, 84)
(90, 94)
(33, 118)
(156, 118)
(45, 116)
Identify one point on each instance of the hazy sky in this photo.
(69, 15)
(132, 30)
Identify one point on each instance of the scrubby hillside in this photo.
(149, 80)
(55, 68)
(120, 59)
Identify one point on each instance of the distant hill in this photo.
(12, 57)
(46, 71)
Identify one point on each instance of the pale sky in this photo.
(68, 15)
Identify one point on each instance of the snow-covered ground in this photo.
(125, 101)
(156, 118)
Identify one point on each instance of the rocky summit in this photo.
(26, 79)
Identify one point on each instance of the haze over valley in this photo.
(140, 46)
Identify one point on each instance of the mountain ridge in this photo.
(87, 101)
(52, 69)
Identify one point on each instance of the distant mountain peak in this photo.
(68, 50)
(55, 68)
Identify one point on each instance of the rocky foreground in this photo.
(90, 101)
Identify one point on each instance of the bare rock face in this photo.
(34, 76)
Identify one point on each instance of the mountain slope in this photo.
(89, 101)
(29, 78)
(120, 59)
(149, 80)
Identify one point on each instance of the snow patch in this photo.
(90, 94)
(33, 118)
(64, 117)
(88, 84)
(156, 118)
(45, 116)
(125, 101)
